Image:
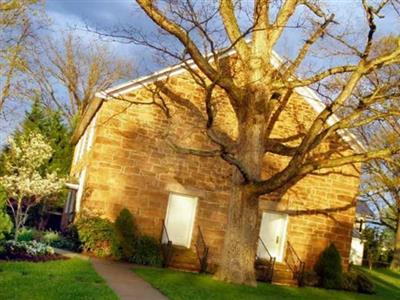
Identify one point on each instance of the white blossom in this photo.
(23, 180)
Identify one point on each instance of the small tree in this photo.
(49, 124)
(376, 245)
(24, 185)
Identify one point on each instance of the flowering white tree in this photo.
(24, 183)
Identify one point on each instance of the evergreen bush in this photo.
(329, 268)
(126, 234)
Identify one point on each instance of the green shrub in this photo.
(357, 282)
(25, 235)
(5, 224)
(126, 235)
(329, 268)
(147, 251)
(69, 240)
(96, 235)
(365, 284)
(311, 278)
(5, 228)
(50, 237)
(349, 281)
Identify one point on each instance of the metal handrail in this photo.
(298, 265)
(202, 251)
(166, 247)
(294, 252)
(267, 276)
(264, 246)
(164, 232)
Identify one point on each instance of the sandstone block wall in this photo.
(130, 165)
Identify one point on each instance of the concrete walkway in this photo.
(125, 283)
(120, 277)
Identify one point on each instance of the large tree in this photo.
(381, 187)
(68, 71)
(259, 87)
(18, 26)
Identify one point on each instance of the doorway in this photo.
(180, 218)
(273, 234)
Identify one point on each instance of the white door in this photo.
(273, 234)
(180, 217)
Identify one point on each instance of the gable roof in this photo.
(307, 93)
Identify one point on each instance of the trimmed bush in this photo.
(329, 268)
(96, 234)
(147, 251)
(126, 234)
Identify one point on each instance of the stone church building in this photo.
(123, 160)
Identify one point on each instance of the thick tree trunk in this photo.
(237, 261)
(241, 236)
(395, 265)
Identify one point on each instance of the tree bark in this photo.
(239, 250)
(395, 264)
(242, 231)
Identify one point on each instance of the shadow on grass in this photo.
(387, 282)
(178, 285)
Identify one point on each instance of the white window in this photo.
(91, 128)
(86, 140)
(273, 234)
(83, 145)
(79, 194)
(181, 212)
(77, 150)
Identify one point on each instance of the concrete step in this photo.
(184, 258)
(283, 275)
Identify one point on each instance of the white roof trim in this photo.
(308, 94)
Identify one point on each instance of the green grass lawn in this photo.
(62, 279)
(188, 286)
